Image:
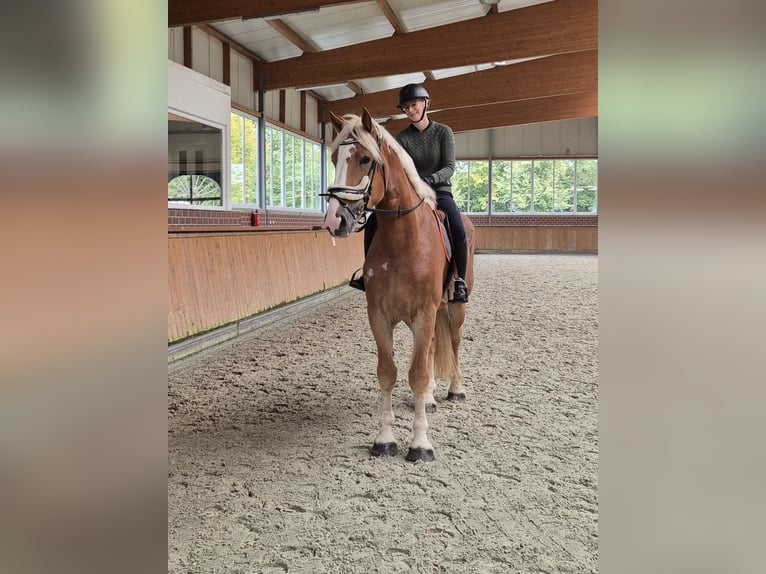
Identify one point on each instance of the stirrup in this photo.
(460, 294)
(357, 282)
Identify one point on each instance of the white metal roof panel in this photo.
(260, 38)
(382, 83)
(505, 5)
(334, 92)
(337, 26)
(421, 14)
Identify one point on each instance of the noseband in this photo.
(349, 195)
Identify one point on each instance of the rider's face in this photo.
(414, 109)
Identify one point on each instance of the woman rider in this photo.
(432, 148)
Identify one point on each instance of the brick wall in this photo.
(589, 220)
(202, 217)
(190, 217)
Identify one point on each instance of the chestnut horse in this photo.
(406, 272)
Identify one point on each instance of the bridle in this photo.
(349, 196)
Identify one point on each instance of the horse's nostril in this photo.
(342, 223)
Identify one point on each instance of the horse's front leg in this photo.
(385, 441)
(420, 377)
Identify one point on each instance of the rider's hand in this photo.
(429, 179)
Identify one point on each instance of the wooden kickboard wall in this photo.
(217, 279)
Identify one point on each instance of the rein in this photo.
(399, 212)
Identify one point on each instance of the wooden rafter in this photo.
(181, 12)
(303, 44)
(555, 75)
(356, 88)
(540, 30)
(566, 107)
(391, 16)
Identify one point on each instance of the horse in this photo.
(408, 277)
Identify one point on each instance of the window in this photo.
(470, 186)
(563, 185)
(521, 186)
(586, 185)
(527, 186)
(194, 162)
(194, 190)
(312, 175)
(293, 170)
(273, 167)
(244, 160)
(501, 186)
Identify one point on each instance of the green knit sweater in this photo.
(432, 150)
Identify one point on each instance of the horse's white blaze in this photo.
(385, 266)
(331, 219)
(386, 434)
(341, 166)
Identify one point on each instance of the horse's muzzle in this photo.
(340, 218)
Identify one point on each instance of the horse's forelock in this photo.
(353, 128)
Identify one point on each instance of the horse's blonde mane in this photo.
(353, 128)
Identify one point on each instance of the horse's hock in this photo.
(269, 436)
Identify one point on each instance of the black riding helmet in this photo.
(412, 92)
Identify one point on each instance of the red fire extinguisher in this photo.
(256, 218)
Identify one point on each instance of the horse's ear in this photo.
(336, 121)
(368, 122)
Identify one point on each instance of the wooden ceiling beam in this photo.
(356, 88)
(540, 30)
(304, 45)
(555, 75)
(391, 16)
(181, 12)
(567, 107)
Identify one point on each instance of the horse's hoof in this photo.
(431, 408)
(416, 454)
(384, 449)
(458, 397)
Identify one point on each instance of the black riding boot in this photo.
(460, 255)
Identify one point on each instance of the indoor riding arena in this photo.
(269, 439)
(273, 396)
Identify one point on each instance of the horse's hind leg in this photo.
(456, 392)
(385, 441)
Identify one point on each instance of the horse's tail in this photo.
(449, 323)
(445, 359)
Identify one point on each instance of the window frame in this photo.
(306, 145)
(225, 163)
(258, 182)
(532, 210)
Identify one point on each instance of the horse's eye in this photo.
(364, 160)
